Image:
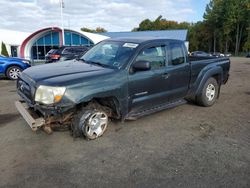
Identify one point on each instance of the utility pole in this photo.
(62, 27)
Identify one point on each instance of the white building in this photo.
(12, 40)
(35, 45)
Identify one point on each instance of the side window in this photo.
(176, 54)
(155, 55)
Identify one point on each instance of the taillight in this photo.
(55, 56)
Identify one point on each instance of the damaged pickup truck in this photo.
(123, 78)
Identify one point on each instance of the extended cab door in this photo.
(146, 88)
(178, 71)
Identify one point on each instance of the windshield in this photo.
(110, 54)
(52, 51)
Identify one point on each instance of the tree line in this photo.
(225, 28)
(96, 30)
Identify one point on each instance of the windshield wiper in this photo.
(81, 59)
(95, 63)
(98, 63)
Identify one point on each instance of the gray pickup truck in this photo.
(123, 78)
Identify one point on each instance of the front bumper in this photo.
(33, 120)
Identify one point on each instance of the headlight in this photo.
(26, 61)
(49, 95)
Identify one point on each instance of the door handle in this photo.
(165, 75)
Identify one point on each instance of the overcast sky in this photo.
(113, 15)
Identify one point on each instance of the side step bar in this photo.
(134, 116)
(27, 115)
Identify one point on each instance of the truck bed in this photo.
(198, 64)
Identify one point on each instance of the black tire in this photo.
(13, 71)
(84, 125)
(209, 93)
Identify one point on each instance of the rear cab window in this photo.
(176, 54)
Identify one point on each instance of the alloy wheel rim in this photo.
(97, 124)
(210, 92)
(14, 72)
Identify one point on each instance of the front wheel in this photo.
(92, 123)
(13, 72)
(209, 93)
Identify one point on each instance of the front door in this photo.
(146, 88)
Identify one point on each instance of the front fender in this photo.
(114, 85)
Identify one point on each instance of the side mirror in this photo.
(141, 65)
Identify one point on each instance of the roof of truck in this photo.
(140, 40)
(179, 34)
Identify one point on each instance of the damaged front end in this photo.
(48, 123)
(44, 107)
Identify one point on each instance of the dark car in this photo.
(200, 54)
(122, 78)
(227, 55)
(11, 67)
(65, 53)
(217, 54)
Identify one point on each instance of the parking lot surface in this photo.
(187, 146)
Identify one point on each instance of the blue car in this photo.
(11, 67)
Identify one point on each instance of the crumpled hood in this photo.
(64, 73)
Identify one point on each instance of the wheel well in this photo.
(111, 103)
(217, 77)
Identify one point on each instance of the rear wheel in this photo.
(209, 93)
(13, 72)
